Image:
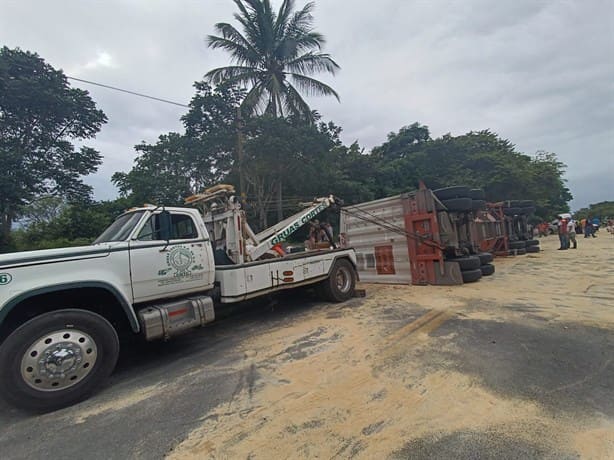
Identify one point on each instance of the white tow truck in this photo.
(155, 272)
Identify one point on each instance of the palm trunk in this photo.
(280, 208)
(5, 231)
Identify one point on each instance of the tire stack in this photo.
(522, 208)
(461, 199)
(532, 246)
(518, 208)
(475, 266)
(470, 268)
(517, 248)
(487, 268)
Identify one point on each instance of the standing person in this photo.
(563, 235)
(587, 227)
(596, 223)
(571, 232)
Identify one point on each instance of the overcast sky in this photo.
(539, 73)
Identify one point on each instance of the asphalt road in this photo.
(543, 353)
(157, 394)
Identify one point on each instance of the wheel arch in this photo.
(349, 259)
(110, 304)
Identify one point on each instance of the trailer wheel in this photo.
(511, 211)
(452, 192)
(517, 245)
(485, 257)
(468, 263)
(340, 284)
(57, 359)
(476, 205)
(458, 204)
(471, 276)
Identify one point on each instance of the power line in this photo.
(128, 92)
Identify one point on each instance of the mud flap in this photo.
(451, 274)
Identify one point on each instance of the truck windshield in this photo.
(120, 229)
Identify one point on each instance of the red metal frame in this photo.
(424, 247)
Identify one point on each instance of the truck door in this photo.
(169, 257)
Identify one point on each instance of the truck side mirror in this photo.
(165, 225)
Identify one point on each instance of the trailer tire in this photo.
(517, 245)
(530, 243)
(468, 263)
(532, 249)
(485, 257)
(521, 252)
(452, 192)
(511, 211)
(487, 269)
(477, 194)
(340, 284)
(458, 204)
(57, 359)
(471, 276)
(476, 205)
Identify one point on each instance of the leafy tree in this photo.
(602, 210)
(181, 164)
(40, 114)
(275, 56)
(477, 159)
(77, 224)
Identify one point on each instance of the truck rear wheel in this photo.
(340, 284)
(57, 359)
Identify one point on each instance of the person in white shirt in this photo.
(571, 230)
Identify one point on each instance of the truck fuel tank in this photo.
(168, 319)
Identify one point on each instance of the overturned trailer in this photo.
(402, 239)
(422, 237)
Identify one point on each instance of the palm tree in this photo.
(274, 56)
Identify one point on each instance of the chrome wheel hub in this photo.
(344, 279)
(59, 360)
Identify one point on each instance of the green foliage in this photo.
(602, 210)
(179, 165)
(76, 224)
(275, 55)
(40, 114)
(476, 159)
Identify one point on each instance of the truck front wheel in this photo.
(57, 359)
(340, 284)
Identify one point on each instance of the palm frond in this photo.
(232, 75)
(282, 18)
(296, 105)
(309, 41)
(238, 52)
(253, 99)
(311, 63)
(302, 20)
(313, 87)
(229, 32)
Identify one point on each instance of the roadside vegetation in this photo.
(248, 124)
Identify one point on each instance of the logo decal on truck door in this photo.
(181, 260)
(5, 278)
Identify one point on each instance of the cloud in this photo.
(540, 74)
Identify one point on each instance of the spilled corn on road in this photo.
(518, 365)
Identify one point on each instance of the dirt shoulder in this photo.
(517, 365)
